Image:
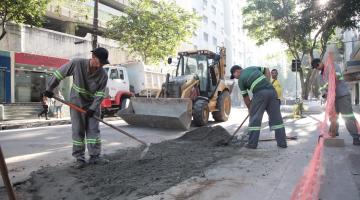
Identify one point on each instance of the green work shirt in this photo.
(252, 79)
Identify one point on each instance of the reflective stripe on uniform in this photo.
(277, 127)
(78, 143)
(351, 115)
(100, 94)
(323, 87)
(93, 141)
(85, 92)
(58, 75)
(82, 90)
(262, 69)
(253, 84)
(339, 76)
(254, 128)
(244, 92)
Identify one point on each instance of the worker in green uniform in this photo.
(252, 80)
(88, 90)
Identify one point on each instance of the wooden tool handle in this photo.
(72, 106)
(5, 177)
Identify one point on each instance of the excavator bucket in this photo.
(172, 113)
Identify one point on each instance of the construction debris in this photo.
(127, 177)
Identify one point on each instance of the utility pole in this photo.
(95, 24)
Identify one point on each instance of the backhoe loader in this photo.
(197, 89)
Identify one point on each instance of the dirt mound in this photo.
(207, 135)
(128, 177)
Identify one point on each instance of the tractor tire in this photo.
(200, 112)
(125, 102)
(224, 106)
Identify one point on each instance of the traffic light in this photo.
(295, 64)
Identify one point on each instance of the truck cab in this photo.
(117, 92)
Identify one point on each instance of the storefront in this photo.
(32, 72)
(5, 84)
(352, 74)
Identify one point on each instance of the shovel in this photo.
(72, 106)
(235, 132)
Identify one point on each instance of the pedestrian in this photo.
(342, 100)
(251, 79)
(87, 92)
(45, 106)
(58, 105)
(276, 84)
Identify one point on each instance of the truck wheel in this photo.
(200, 112)
(125, 103)
(224, 106)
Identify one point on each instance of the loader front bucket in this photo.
(172, 113)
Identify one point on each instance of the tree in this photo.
(303, 27)
(153, 30)
(277, 19)
(21, 11)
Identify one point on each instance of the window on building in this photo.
(205, 3)
(206, 36)
(195, 47)
(214, 41)
(205, 19)
(213, 25)
(213, 10)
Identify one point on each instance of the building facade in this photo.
(220, 25)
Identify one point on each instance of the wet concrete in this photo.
(127, 177)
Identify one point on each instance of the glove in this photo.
(90, 113)
(48, 94)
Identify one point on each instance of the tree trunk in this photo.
(302, 83)
(308, 83)
(95, 24)
(3, 31)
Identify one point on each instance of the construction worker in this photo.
(251, 79)
(342, 100)
(235, 71)
(87, 92)
(276, 84)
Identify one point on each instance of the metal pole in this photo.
(95, 24)
(296, 87)
(5, 177)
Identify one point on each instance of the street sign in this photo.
(295, 65)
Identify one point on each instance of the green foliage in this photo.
(21, 11)
(277, 19)
(153, 30)
(303, 25)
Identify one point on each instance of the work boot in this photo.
(79, 164)
(250, 146)
(282, 146)
(97, 160)
(356, 141)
